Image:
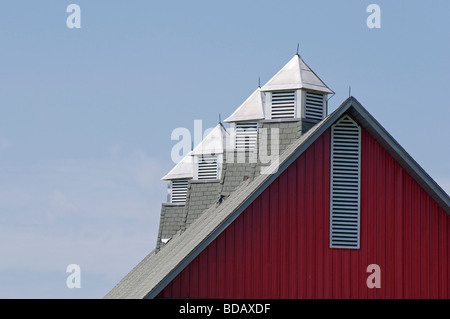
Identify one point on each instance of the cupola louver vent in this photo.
(179, 191)
(314, 106)
(207, 167)
(283, 104)
(246, 133)
(345, 184)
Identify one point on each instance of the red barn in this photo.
(337, 210)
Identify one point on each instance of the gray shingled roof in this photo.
(156, 270)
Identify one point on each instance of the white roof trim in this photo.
(296, 74)
(251, 109)
(183, 170)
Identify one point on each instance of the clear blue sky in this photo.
(86, 114)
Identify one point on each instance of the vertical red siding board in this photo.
(416, 241)
(274, 249)
(366, 165)
(212, 269)
(448, 255)
(444, 240)
(257, 269)
(247, 250)
(202, 271)
(407, 236)
(265, 227)
(232, 269)
(283, 234)
(390, 239)
(337, 273)
(301, 217)
(346, 273)
(182, 290)
(310, 265)
(424, 245)
(431, 251)
(380, 232)
(221, 265)
(415, 257)
(367, 156)
(264, 273)
(203, 275)
(395, 240)
(230, 272)
(239, 265)
(434, 260)
(326, 213)
(414, 283)
(440, 255)
(292, 231)
(398, 231)
(444, 261)
(372, 213)
(193, 290)
(443, 258)
(361, 280)
(354, 274)
(184, 279)
(389, 267)
(320, 232)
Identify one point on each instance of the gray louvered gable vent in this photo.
(314, 106)
(246, 133)
(283, 104)
(207, 167)
(179, 191)
(345, 184)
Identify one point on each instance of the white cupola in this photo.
(295, 92)
(244, 121)
(204, 162)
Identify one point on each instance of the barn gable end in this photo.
(278, 247)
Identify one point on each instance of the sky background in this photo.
(86, 114)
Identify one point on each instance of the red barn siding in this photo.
(279, 246)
